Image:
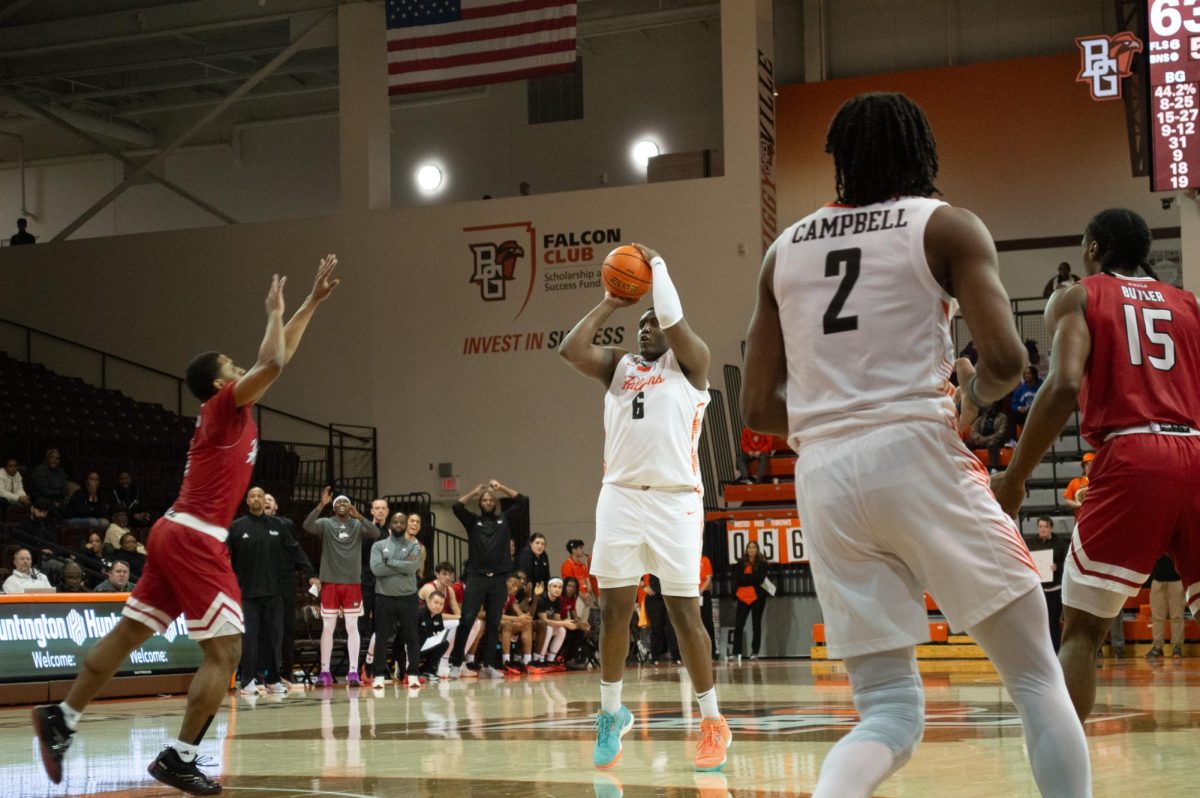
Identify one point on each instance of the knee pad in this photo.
(893, 712)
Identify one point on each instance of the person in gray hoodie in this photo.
(395, 561)
(341, 574)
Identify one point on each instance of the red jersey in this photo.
(1144, 365)
(219, 463)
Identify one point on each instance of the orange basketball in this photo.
(626, 273)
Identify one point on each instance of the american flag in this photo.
(435, 45)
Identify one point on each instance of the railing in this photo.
(1028, 314)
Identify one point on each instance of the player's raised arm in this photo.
(764, 384)
(589, 359)
(963, 258)
(271, 352)
(323, 286)
(1058, 397)
(689, 348)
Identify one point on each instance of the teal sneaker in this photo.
(610, 728)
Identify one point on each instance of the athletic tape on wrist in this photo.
(973, 393)
(667, 306)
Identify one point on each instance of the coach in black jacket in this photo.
(258, 545)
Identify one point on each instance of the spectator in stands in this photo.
(1022, 398)
(117, 530)
(534, 561)
(395, 561)
(132, 552)
(1076, 490)
(1046, 539)
(990, 431)
(577, 565)
(12, 486)
(1166, 601)
(706, 602)
(260, 546)
(72, 579)
(25, 577)
(516, 623)
(749, 571)
(49, 482)
(118, 580)
(92, 555)
(451, 614)
(488, 565)
(663, 642)
(1035, 357)
(341, 577)
(433, 635)
(126, 496)
(755, 445)
(22, 236)
(1064, 277)
(576, 650)
(88, 507)
(38, 533)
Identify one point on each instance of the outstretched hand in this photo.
(326, 495)
(647, 253)
(615, 301)
(325, 282)
(275, 295)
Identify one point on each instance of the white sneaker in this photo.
(443, 670)
(251, 688)
(453, 672)
(488, 672)
(378, 681)
(413, 681)
(279, 688)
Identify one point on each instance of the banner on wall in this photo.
(779, 539)
(768, 205)
(522, 266)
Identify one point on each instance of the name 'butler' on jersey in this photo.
(652, 420)
(867, 326)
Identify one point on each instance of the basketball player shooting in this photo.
(187, 565)
(1127, 351)
(650, 516)
(849, 355)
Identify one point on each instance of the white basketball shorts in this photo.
(648, 532)
(889, 511)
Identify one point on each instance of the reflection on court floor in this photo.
(532, 737)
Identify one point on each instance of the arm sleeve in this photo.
(464, 516)
(519, 508)
(312, 525)
(378, 567)
(10, 495)
(369, 530)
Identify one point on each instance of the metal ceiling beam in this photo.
(16, 77)
(150, 88)
(151, 22)
(113, 129)
(114, 152)
(146, 165)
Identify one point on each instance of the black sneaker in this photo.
(174, 772)
(54, 738)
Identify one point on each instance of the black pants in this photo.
(397, 615)
(261, 615)
(431, 658)
(287, 644)
(706, 617)
(1054, 610)
(366, 621)
(488, 592)
(755, 611)
(662, 633)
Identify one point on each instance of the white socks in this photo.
(610, 696)
(708, 703)
(354, 643)
(328, 625)
(186, 752)
(69, 715)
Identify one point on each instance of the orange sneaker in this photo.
(715, 739)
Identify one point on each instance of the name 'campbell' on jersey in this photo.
(652, 421)
(866, 326)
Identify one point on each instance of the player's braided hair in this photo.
(1123, 238)
(882, 147)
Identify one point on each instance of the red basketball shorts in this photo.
(1143, 501)
(186, 572)
(340, 599)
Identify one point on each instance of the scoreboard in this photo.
(1173, 58)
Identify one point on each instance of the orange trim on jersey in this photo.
(836, 204)
(696, 424)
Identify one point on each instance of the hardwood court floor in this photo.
(532, 737)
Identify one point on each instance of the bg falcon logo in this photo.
(498, 260)
(1106, 61)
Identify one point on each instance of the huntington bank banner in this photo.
(533, 273)
(48, 640)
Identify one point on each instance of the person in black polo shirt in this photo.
(534, 561)
(489, 562)
(1046, 539)
(257, 544)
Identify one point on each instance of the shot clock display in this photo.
(1173, 55)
